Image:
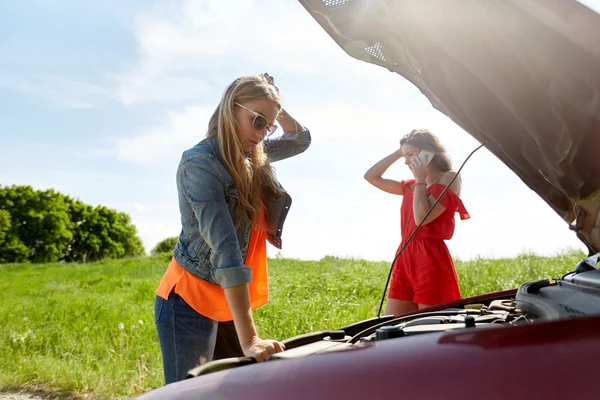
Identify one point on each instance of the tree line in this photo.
(47, 226)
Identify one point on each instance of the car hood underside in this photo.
(523, 77)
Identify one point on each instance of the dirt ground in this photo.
(18, 396)
(36, 395)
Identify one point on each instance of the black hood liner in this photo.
(523, 76)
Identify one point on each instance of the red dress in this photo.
(424, 273)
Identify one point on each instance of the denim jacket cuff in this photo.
(302, 130)
(234, 276)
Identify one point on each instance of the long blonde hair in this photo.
(252, 174)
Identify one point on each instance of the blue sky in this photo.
(99, 99)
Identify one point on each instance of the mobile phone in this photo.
(425, 156)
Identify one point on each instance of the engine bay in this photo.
(576, 294)
(476, 315)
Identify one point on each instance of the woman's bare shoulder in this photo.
(449, 177)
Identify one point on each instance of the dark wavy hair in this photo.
(425, 140)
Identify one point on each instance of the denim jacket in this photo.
(211, 246)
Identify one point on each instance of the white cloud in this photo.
(58, 91)
(154, 221)
(152, 231)
(140, 208)
(188, 48)
(182, 130)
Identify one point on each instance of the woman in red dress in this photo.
(424, 274)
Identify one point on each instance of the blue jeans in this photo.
(188, 339)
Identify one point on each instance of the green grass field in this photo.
(88, 329)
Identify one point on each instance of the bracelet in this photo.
(420, 183)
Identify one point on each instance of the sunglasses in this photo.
(259, 122)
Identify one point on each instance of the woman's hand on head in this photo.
(271, 80)
(261, 349)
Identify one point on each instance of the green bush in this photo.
(100, 232)
(47, 226)
(39, 219)
(165, 246)
(11, 247)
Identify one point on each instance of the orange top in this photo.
(208, 299)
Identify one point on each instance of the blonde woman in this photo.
(230, 204)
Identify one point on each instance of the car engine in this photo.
(576, 294)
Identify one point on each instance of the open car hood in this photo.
(521, 76)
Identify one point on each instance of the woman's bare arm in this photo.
(374, 174)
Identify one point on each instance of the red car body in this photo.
(544, 360)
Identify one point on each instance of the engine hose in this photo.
(407, 318)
